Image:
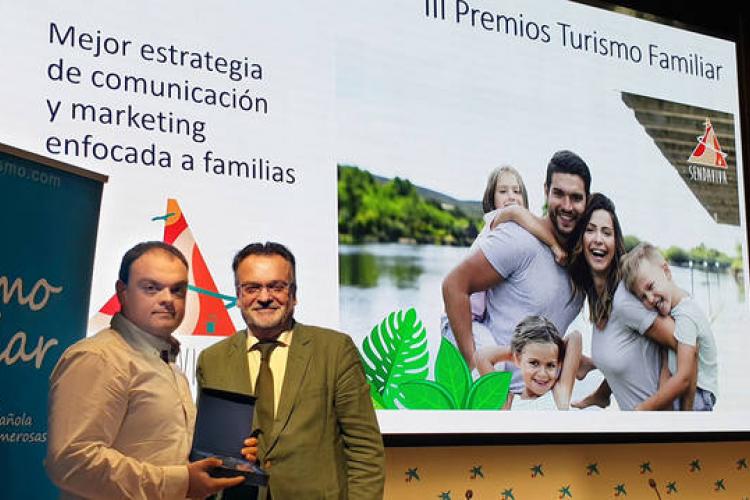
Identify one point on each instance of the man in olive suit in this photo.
(321, 439)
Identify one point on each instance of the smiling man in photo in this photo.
(518, 271)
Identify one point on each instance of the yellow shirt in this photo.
(277, 362)
(120, 419)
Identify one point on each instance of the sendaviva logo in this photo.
(708, 163)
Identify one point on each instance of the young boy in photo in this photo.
(693, 361)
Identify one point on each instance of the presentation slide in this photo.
(362, 136)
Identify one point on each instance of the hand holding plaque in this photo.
(222, 425)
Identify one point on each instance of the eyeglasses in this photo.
(275, 288)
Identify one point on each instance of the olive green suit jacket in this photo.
(325, 441)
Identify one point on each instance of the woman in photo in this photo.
(625, 334)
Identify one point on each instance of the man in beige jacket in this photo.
(120, 412)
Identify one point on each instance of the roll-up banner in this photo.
(50, 216)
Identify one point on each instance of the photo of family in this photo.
(525, 279)
(540, 270)
(508, 302)
(536, 244)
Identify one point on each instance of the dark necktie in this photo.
(264, 405)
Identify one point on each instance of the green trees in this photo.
(393, 211)
(709, 255)
(736, 264)
(630, 242)
(698, 255)
(377, 210)
(677, 255)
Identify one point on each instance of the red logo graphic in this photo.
(708, 151)
(205, 311)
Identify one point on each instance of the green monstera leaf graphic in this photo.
(425, 395)
(395, 359)
(452, 373)
(489, 392)
(394, 353)
(377, 399)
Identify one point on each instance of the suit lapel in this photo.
(296, 368)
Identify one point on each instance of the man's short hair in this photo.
(142, 248)
(631, 262)
(268, 248)
(567, 162)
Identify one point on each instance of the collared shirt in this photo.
(147, 344)
(120, 419)
(277, 362)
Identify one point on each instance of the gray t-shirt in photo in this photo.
(691, 327)
(533, 284)
(629, 360)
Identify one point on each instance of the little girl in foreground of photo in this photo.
(548, 364)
